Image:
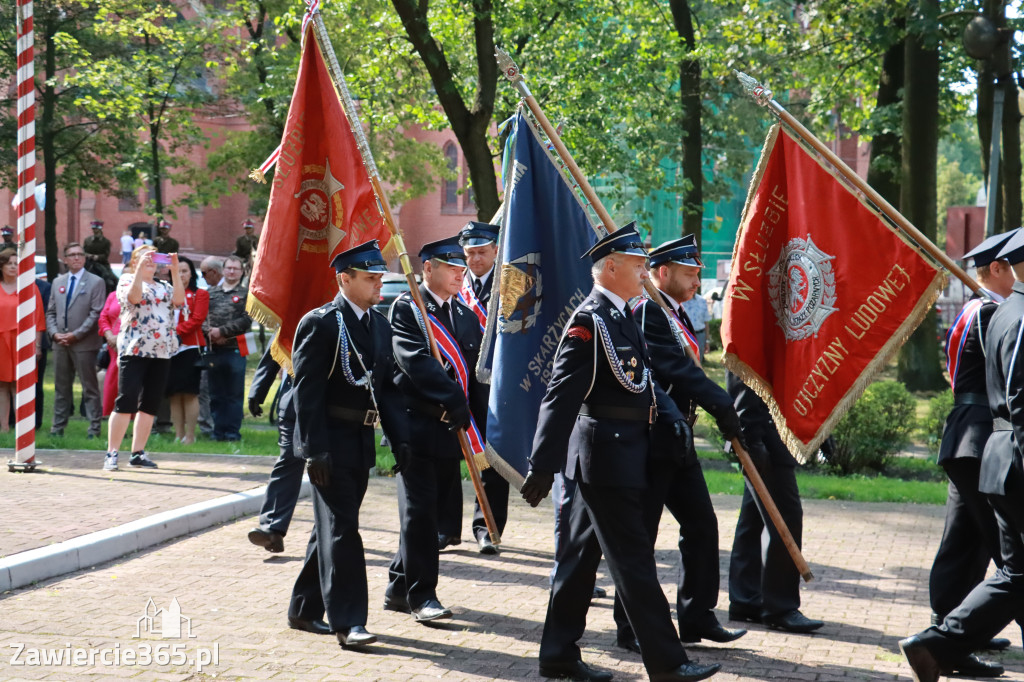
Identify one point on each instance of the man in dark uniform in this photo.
(480, 244)
(163, 241)
(7, 233)
(286, 477)
(595, 425)
(96, 245)
(437, 405)
(246, 244)
(343, 369)
(971, 536)
(764, 584)
(675, 271)
(992, 604)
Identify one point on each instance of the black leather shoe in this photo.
(971, 666)
(267, 539)
(599, 593)
(355, 636)
(923, 665)
(447, 541)
(687, 672)
(715, 633)
(574, 670)
(396, 604)
(431, 610)
(486, 546)
(744, 616)
(317, 627)
(629, 643)
(997, 644)
(794, 621)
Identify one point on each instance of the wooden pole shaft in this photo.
(371, 167)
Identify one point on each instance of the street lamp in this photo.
(981, 39)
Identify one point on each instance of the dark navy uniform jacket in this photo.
(1004, 372)
(321, 384)
(605, 451)
(969, 426)
(684, 381)
(425, 383)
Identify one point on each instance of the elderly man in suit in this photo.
(76, 300)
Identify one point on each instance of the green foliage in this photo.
(934, 422)
(714, 328)
(876, 427)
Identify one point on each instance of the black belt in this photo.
(633, 414)
(1001, 425)
(364, 417)
(431, 409)
(970, 399)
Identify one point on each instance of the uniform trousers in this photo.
(1000, 598)
(617, 519)
(969, 540)
(333, 577)
(682, 490)
(285, 483)
(763, 580)
(413, 571)
(496, 489)
(68, 362)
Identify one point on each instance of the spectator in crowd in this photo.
(183, 385)
(164, 242)
(76, 301)
(110, 326)
(211, 269)
(697, 310)
(44, 291)
(9, 332)
(226, 321)
(7, 233)
(127, 244)
(96, 245)
(247, 243)
(140, 240)
(145, 344)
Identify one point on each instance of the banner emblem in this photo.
(520, 294)
(321, 208)
(802, 288)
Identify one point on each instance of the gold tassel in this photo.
(258, 176)
(481, 461)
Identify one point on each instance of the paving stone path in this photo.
(871, 561)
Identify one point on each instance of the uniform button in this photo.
(616, 435)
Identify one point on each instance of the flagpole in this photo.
(371, 167)
(765, 97)
(512, 72)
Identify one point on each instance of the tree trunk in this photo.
(471, 126)
(1009, 170)
(919, 365)
(155, 179)
(886, 153)
(690, 123)
(48, 145)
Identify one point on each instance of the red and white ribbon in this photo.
(25, 399)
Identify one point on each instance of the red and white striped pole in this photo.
(25, 401)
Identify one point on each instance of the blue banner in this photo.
(539, 281)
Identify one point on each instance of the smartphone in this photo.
(161, 259)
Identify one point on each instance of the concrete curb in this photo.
(87, 551)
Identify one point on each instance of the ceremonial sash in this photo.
(470, 300)
(956, 337)
(451, 352)
(685, 334)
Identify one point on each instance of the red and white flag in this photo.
(321, 203)
(246, 343)
(823, 291)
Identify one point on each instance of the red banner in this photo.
(822, 292)
(321, 203)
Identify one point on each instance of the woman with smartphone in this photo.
(183, 384)
(145, 344)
